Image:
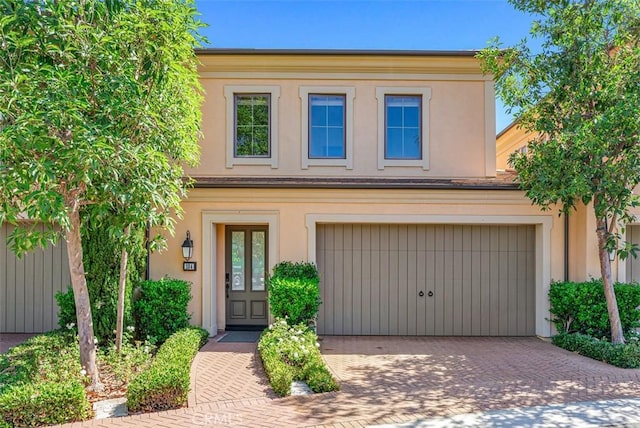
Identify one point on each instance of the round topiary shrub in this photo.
(294, 292)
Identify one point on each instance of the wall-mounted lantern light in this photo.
(187, 253)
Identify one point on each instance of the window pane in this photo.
(237, 261)
(335, 147)
(326, 126)
(318, 115)
(403, 133)
(336, 115)
(318, 142)
(412, 116)
(257, 260)
(394, 143)
(411, 146)
(252, 125)
(394, 116)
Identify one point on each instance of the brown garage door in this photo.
(28, 286)
(426, 280)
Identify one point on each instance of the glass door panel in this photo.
(257, 260)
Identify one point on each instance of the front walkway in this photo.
(9, 340)
(390, 380)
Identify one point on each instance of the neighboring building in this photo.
(381, 168)
(509, 140)
(581, 244)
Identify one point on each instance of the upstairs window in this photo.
(252, 118)
(403, 126)
(252, 125)
(403, 136)
(327, 126)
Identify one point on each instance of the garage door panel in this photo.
(28, 286)
(482, 279)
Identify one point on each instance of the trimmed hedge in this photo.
(161, 309)
(41, 382)
(582, 307)
(291, 353)
(626, 355)
(294, 292)
(165, 384)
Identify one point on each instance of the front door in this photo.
(246, 264)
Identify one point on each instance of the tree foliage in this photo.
(579, 97)
(99, 107)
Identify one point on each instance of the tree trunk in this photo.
(83, 305)
(121, 291)
(617, 335)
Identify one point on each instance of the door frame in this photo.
(213, 244)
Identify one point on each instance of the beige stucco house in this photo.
(379, 166)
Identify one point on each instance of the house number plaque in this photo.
(189, 266)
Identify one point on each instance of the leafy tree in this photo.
(99, 108)
(579, 97)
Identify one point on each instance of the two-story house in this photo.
(380, 167)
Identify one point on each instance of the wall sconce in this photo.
(612, 255)
(187, 253)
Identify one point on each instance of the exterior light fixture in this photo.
(187, 247)
(187, 253)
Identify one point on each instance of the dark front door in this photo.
(246, 269)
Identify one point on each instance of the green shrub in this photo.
(300, 270)
(294, 292)
(41, 382)
(291, 353)
(66, 308)
(625, 355)
(101, 255)
(582, 308)
(161, 309)
(165, 384)
(45, 403)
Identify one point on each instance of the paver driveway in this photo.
(391, 380)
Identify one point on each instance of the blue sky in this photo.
(361, 24)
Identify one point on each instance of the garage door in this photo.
(426, 280)
(28, 286)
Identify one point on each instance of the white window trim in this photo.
(229, 94)
(403, 90)
(349, 94)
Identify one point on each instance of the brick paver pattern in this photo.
(390, 380)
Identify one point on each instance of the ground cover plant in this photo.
(291, 353)
(42, 383)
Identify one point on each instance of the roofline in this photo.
(336, 52)
(507, 128)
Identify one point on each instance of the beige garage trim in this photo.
(28, 286)
(476, 280)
